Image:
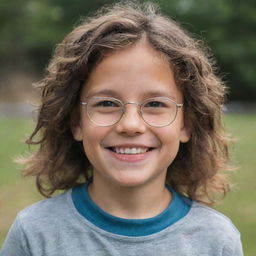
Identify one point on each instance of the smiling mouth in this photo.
(129, 151)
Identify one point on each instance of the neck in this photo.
(144, 202)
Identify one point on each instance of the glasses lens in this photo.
(159, 111)
(104, 111)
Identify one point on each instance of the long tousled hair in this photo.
(199, 170)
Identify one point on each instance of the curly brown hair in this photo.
(60, 162)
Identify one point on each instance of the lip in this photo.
(130, 158)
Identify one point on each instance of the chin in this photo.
(131, 182)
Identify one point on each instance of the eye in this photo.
(106, 103)
(155, 104)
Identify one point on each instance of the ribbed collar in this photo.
(176, 210)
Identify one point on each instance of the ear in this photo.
(185, 133)
(76, 126)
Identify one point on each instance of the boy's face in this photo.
(131, 75)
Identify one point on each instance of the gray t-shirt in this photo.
(54, 227)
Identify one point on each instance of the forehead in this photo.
(136, 71)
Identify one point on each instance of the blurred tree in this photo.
(11, 31)
(228, 27)
(30, 29)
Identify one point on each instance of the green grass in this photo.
(13, 133)
(240, 205)
(15, 192)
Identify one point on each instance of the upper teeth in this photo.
(130, 150)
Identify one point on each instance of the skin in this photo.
(131, 188)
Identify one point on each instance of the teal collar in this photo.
(176, 210)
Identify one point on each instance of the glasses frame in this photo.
(140, 105)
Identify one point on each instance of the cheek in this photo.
(170, 142)
(91, 143)
(169, 135)
(92, 138)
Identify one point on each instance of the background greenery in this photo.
(17, 193)
(30, 29)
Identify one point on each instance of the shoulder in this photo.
(205, 231)
(35, 224)
(45, 211)
(213, 227)
(213, 218)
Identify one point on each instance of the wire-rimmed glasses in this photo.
(107, 111)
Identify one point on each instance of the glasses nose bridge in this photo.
(132, 103)
(131, 119)
(138, 107)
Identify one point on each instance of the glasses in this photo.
(107, 111)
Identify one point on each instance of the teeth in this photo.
(130, 151)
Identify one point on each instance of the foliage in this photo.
(31, 28)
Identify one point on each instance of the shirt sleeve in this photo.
(238, 251)
(15, 242)
(233, 248)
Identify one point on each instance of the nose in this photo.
(131, 122)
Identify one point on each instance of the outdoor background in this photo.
(29, 31)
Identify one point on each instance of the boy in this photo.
(131, 105)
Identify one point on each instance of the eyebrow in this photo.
(105, 92)
(148, 94)
(158, 93)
